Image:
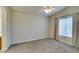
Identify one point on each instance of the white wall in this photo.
(9, 26)
(66, 11)
(28, 27)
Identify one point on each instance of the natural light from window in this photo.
(65, 26)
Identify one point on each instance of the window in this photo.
(65, 26)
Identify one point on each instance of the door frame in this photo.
(4, 29)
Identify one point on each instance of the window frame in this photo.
(64, 18)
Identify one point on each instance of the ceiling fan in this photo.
(47, 9)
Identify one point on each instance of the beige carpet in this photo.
(42, 46)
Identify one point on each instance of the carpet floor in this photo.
(42, 46)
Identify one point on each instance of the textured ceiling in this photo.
(35, 9)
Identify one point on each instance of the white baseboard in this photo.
(4, 49)
(27, 40)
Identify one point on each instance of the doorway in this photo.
(4, 42)
(0, 29)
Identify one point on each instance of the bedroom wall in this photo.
(28, 27)
(66, 11)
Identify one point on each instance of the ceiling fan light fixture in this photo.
(47, 9)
